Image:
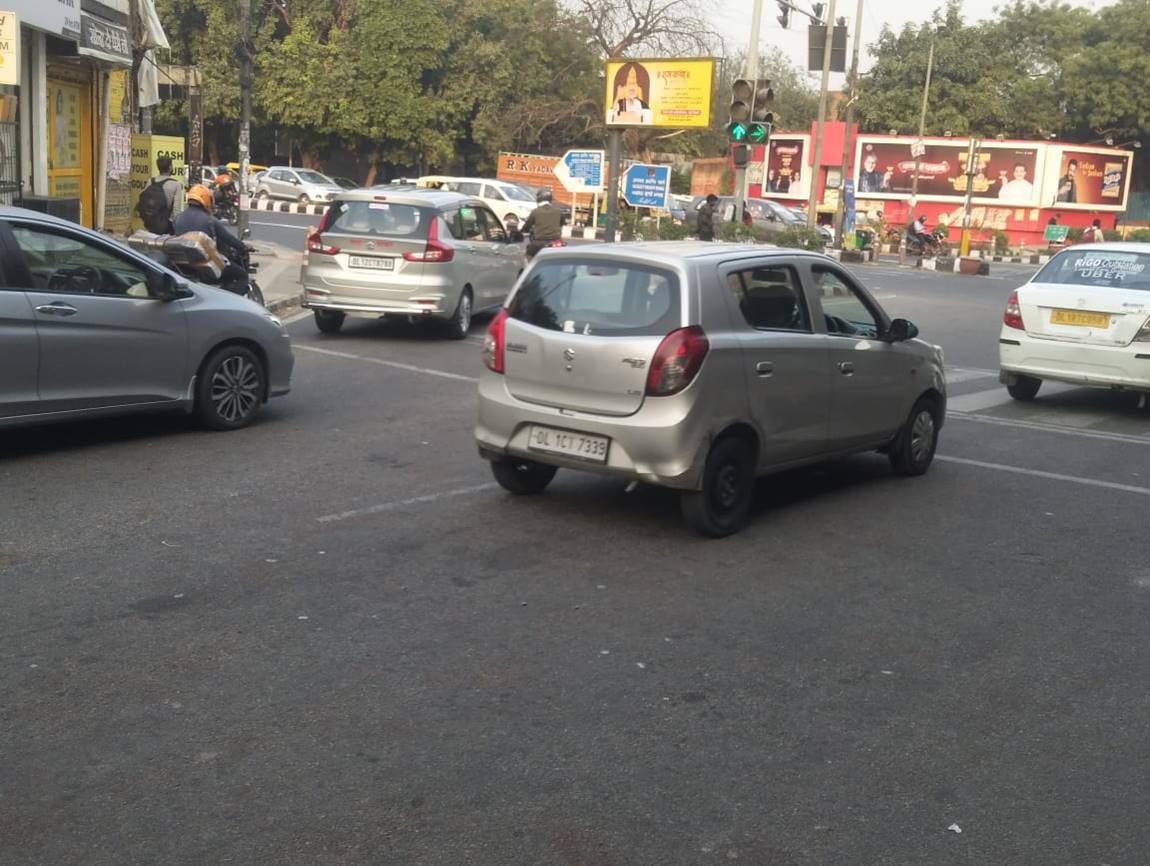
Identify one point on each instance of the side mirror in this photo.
(163, 286)
(901, 330)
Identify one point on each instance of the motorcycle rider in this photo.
(544, 224)
(197, 217)
(918, 233)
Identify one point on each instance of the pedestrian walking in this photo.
(705, 222)
(157, 202)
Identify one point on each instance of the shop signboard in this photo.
(58, 17)
(667, 93)
(1087, 178)
(146, 149)
(1005, 173)
(9, 48)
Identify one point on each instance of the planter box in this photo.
(972, 266)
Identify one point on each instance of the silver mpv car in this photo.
(699, 367)
(427, 254)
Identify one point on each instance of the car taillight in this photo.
(676, 361)
(315, 242)
(1012, 318)
(434, 250)
(493, 342)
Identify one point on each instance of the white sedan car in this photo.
(1083, 319)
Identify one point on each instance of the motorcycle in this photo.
(533, 248)
(928, 245)
(226, 203)
(196, 256)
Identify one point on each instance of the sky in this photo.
(732, 20)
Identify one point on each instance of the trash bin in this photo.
(860, 239)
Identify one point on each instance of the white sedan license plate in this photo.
(581, 446)
(374, 263)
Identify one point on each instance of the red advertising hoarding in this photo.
(1086, 178)
(1006, 173)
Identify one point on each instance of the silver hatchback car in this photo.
(428, 254)
(700, 367)
(89, 327)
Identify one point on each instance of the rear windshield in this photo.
(1105, 268)
(378, 218)
(603, 299)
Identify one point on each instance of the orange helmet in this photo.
(200, 195)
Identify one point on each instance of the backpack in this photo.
(153, 208)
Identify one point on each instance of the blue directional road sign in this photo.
(581, 171)
(647, 185)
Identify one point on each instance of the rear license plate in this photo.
(374, 263)
(1078, 317)
(581, 446)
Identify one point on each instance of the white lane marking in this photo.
(279, 225)
(298, 315)
(1049, 427)
(404, 503)
(396, 364)
(956, 375)
(977, 401)
(1053, 476)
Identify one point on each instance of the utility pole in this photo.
(971, 155)
(918, 157)
(245, 110)
(848, 141)
(752, 75)
(816, 168)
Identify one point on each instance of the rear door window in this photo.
(378, 218)
(602, 299)
(470, 229)
(466, 187)
(770, 298)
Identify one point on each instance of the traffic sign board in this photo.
(647, 185)
(581, 170)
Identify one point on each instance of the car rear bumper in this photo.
(664, 443)
(431, 307)
(1075, 363)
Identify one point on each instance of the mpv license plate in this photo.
(1079, 317)
(375, 263)
(581, 446)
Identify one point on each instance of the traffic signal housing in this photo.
(741, 155)
(742, 103)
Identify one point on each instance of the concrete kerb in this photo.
(290, 207)
(278, 276)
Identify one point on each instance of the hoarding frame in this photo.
(699, 113)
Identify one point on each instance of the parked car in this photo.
(347, 183)
(93, 328)
(506, 199)
(1083, 319)
(699, 366)
(769, 216)
(431, 254)
(297, 184)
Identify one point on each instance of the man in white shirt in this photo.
(1018, 189)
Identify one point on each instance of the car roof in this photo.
(417, 196)
(1111, 246)
(673, 253)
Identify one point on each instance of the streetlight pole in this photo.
(848, 142)
(245, 110)
(816, 168)
(918, 157)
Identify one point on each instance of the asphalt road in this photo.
(288, 230)
(329, 639)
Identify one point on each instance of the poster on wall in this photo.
(786, 167)
(118, 186)
(1085, 178)
(1005, 173)
(146, 149)
(673, 94)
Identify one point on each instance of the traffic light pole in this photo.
(816, 166)
(752, 75)
(841, 214)
(245, 111)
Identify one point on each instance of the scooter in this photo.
(226, 203)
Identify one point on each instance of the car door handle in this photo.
(846, 367)
(765, 368)
(57, 308)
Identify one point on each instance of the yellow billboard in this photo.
(660, 93)
(146, 149)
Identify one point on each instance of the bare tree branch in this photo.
(667, 28)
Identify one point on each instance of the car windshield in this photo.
(599, 298)
(313, 177)
(516, 194)
(377, 218)
(1112, 269)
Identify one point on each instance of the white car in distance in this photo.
(1083, 319)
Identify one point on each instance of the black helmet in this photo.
(543, 194)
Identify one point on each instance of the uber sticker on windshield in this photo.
(374, 206)
(1108, 266)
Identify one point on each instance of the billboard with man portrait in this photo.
(672, 94)
(1005, 173)
(1086, 178)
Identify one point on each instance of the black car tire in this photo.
(1024, 388)
(721, 507)
(522, 477)
(230, 389)
(329, 321)
(460, 322)
(303, 198)
(912, 450)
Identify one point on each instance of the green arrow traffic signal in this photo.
(758, 133)
(738, 130)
